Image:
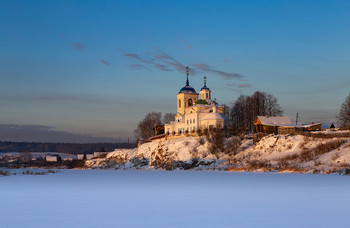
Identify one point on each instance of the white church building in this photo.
(196, 113)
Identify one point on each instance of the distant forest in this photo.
(67, 148)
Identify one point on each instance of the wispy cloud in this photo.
(187, 46)
(159, 60)
(137, 66)
(244, 85)
(224, 75)
(105, 62)
(230, 84)
(78, 46)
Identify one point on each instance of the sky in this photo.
(96, 68)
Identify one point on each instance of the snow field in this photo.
(109, 198)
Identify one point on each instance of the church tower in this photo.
(205, 92)
(187, 96)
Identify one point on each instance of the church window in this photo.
(190, 102)
(194, 128)
(179, 103)
(210, 110)
(206, 95)
(190, 121)
(194, 121)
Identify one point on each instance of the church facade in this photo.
(196, 111)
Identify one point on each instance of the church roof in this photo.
(187, 89)
(214, 116)
(205, 84)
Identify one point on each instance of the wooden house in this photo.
(271, 124)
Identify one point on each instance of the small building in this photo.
(85, 156)
(334, 126)
(310, 127)
(287, 130)
(53, 158)
(271, 124)
(159, 130)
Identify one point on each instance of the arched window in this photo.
(190, 102)
(179, 103)
(207, 95)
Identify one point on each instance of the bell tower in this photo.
(205, 92)
(187, 96)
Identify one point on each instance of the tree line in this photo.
(68, 148)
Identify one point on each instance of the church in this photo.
(196, 113)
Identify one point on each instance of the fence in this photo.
(326, 135)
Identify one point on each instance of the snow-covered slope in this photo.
(272, 152)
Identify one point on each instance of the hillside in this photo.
(284, 153)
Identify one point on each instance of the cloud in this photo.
(187, 45)
(42, 133)
(230, 84)
(164, 62)
(105, 62)
(244, 85)
(164, 57)
(159, 60)
(78, 46)
(224, 75)
(137, 66)
(139, 58)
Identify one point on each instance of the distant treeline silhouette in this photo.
(68, 148)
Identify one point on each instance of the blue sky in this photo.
(97, 67)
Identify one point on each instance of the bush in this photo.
(201, 141)
(232, 145)
(4, 173)
(258, 164)
(310, 154)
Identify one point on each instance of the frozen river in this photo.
(109, 198)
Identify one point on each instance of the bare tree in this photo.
(145, 128)
(247, 108)
(168, 117)
(344, 112)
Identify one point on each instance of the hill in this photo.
(283, 153)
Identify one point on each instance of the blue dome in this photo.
(205, 87)
(187, 89)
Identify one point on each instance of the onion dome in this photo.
(187, 88)
(205, 84)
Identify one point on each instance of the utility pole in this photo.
(296, 120)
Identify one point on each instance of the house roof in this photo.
(275, 120)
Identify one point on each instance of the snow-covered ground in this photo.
(272, 152)
(111, 198)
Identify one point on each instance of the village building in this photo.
(196, 113)
(281, 125)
